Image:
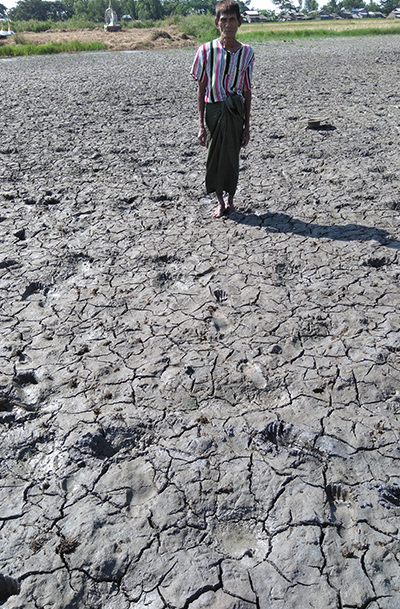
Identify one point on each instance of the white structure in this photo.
(111, 20)
(253, 17)
(3, 32)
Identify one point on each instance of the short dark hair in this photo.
(230, 7)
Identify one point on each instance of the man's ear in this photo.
(216, 21)
(240, 20)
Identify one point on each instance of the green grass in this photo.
(43, 26)
(260, 36)
(78, 23)
(23, 50)
(317, 29)
(33, 26)
(202, 27)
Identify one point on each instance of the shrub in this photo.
(33, 26)
(19, 39)
(74, 46)
(200, 26)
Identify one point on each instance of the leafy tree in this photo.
(373, 7)
(285, 5)
(332, 7)
(29, 9)
(127, 7)
(200, 7)
(81, 9)
(271, 15)
(3, 10)
(387, 6)
(308, 6)
(186, 7)
(349, 4)
(92, 10)
(60, 10)
(175, 7)
(149, 9)
(243, 5)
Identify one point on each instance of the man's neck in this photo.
(230, 44)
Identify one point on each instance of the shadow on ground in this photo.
(282, 223)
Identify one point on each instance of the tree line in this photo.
(142, 10)
(385, 6)
(336, 6)
(93, 10)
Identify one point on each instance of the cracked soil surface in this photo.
(200, 413)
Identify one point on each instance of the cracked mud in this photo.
(200, 413)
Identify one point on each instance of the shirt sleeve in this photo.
(199, 66)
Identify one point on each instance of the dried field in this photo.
(127, 40)
(334, 25)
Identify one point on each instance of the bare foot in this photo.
(219, 211)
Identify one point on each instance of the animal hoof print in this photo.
(336, 492)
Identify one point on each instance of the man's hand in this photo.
(202, 136)
(245, 136)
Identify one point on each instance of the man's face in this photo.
(228, 24)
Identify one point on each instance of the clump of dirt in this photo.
(132, 39)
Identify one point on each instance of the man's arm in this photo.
(246, 126)
(202, 135)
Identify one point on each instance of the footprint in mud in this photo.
(255, 374)
(220, 296)
(341, 506)
(389, 496)
(8, 587)
(337, 492)
(279, 434)
(221, 322)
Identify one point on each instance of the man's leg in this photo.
(230, 208)
(219, 211)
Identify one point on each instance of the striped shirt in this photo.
(222, 72)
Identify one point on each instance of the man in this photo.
(223, 69)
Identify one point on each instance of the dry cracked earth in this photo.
(200, 413)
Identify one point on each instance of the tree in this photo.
(93, 10)
(387, 6)
(149, 9)
(285, 5)
(243, 5)
(200, 7)
(3, 10)
(128, 7)
(29, 9)
(373, 7)
(186, 7)
(350, 4)
(60, 10)
(271, 15)
(332, 7)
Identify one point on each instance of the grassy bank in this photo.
(23, 50)
(76, 24)
(317, 29)
(201, 28)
